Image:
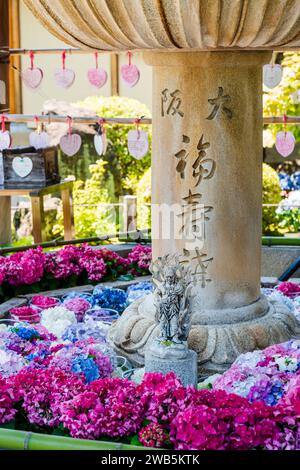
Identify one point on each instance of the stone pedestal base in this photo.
(185, 368)
(218, 337)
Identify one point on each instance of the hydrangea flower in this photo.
(57, 320)
(115, 299)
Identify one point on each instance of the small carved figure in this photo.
(173, 283)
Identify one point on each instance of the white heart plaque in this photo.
(70, 144)
(5, 140)
(22, 166)
(100, 143)
(97, 77)
(285, 143)
(64, 77)
(32, 77)
(272, 74)
(138, 143)
(39, 140)
(130, 74)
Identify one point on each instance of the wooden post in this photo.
(15, 87)
(5, 202)
(38, 219)
(114, 73)
(67, 203)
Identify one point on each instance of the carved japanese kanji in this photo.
(203, 167)
(220, 103)
(171, 103)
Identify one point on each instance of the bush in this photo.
(271, 195)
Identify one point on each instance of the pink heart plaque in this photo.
(64, 77)
(130, 74)
(39, 140)
(5, 140)
(97, 77)
(138, 144)
(272, 74)
(32, 77)
(285, 143)
(70, 144)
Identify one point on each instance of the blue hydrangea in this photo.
(275, 393)
(26, 333)
(139, 290)
(115, 299)
(87, 366)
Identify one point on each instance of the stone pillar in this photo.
(207, 152)
(229, 184)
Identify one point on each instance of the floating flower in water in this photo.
(44, 301)
(290, 289)
(25, 313)
(138, 290)
(106, 315)
(57, 320)
(81, 331)
(115, 299)
(78, 305)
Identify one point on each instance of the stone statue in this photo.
(173, 292)
(173, 285)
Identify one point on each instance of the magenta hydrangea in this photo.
(108, 407)
(289, 288)
(7, 401)
(221, 421)
(153, 435)
(26, 267)
(41, 392)
(139, 260)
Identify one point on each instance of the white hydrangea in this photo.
(57, 320)
(286, 363)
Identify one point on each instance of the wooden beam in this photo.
(15, 88)
(114, 75)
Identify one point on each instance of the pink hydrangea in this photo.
(7, 401)
(139, 260)
(64, 263)
(26, 267)
(41, 392)
(221, 421)
(153, 435)
(108, 407)
(43, 301)
(78, 305)
(164, 396)
(289, 288)
(91, 260)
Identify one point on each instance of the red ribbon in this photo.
(101, 123)
(129, 53)
(284, 122)
(3, 119)
(63, 59)
(96, 59)
(31, 55)
(69, 121)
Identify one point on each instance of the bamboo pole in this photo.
(23, 440)
(51, 117)
(48, 118)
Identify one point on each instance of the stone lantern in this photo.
(207, 58)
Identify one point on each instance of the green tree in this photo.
(271, 195)
(126, 171)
